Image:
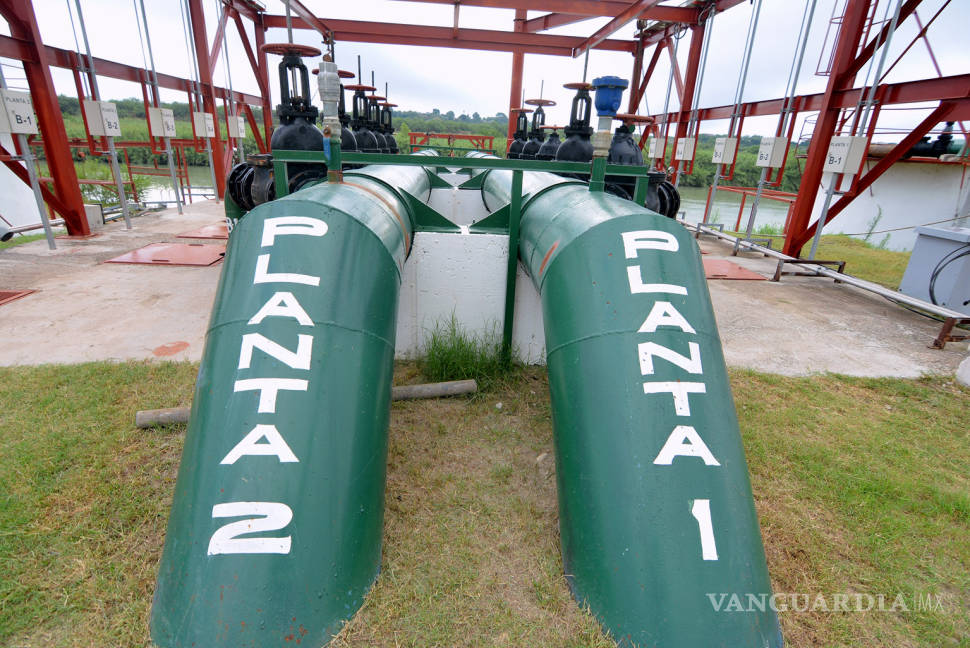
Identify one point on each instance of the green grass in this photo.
(861, 486)
(20, 239)
(451, 353)
(863, 260)
(884, 267)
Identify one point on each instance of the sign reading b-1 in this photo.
(17, 115)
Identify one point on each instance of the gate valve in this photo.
(294, 81)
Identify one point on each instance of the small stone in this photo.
(498, 405)
(963, 372)
(541, 457)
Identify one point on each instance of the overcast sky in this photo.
(472, 81)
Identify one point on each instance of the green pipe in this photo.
(657, 519)
(276, 525)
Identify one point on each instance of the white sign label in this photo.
(19, 113)
(771, 152)
(844, 155)
(237, 127)
(161, 122)
(685, 149)
(109, 119)
(168, 122)
(92, 113)
(655, 148)
(205, 125)
(724, 148)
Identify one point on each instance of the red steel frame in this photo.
(656, 24)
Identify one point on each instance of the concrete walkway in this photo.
(87, 310)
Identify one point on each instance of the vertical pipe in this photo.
(198, 90)
(738, 97)
(28, 158)
(849, 35)
(168, 142)
(822, 217)
(201, 43)
(22, 22)
(515, 91)
(112, 154)
(515, 212)
(232, 99)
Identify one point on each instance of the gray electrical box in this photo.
(945, 252)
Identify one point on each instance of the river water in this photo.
(724, 210)
(771, 213)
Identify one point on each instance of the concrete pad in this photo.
(805, 325)
(87, 310)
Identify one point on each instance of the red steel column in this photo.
(635, 78)
(841, 78)
(23, 25)
(518, 62)
(208, 94)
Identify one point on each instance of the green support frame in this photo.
(503, 221)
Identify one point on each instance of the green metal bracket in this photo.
(495, 223)
(427, 219)
(233, 211)
(515, 215)
(474, 182)
(437, 182)
(281, 178)
(597, 180)
(640, 193)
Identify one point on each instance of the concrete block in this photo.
(963, 372)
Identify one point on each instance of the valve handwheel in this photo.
(577, 85)
(627, 118)
(550, 127)
(540, 102)
(361, 88)
(345, 74)
(289, 49)
(522, 110)
(375, 98)
(387, 105)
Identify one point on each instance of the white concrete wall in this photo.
(464, 274)
(907, 194)
(17, 206)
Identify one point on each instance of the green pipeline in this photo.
(657, 518)
(276, 525)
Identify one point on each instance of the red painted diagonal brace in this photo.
(898, 151)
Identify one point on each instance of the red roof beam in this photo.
(403, 34)
(9, 47)
(582, 7)
(660, 13)
(604, 32)
(950, 88)
(300, 10)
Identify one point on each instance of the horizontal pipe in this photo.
(882, 291)
(173, 415)
(35, 226)
(655, 504)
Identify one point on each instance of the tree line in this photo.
(135, 127)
